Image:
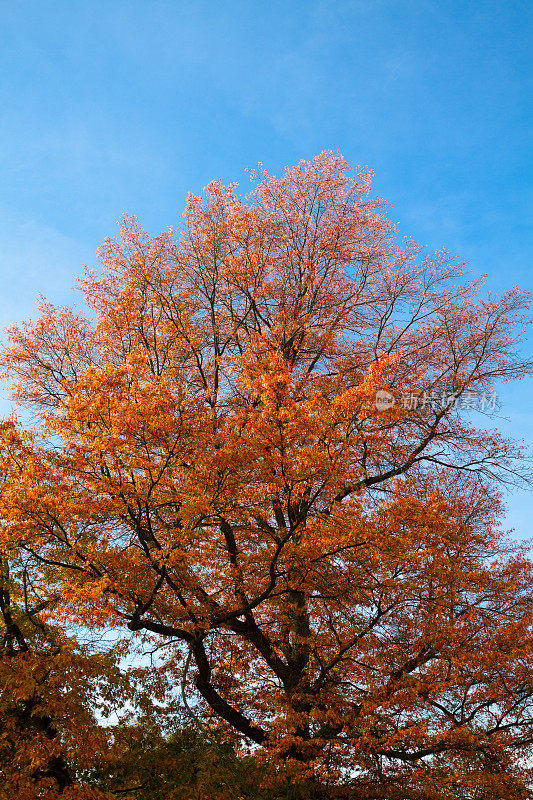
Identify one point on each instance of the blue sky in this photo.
(113, 107)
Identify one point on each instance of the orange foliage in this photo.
(210, 466)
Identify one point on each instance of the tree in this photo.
(50, 689)
(55, 689)
(181, 765)
(213, 467)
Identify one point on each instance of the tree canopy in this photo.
(211, 467)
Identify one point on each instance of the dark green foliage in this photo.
(185, 765)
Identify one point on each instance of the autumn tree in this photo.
(58, 691)
(48, 693)
(210, 467)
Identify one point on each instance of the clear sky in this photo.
(124, 105)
